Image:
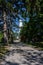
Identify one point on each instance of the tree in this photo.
(5, 6)
(33, 30)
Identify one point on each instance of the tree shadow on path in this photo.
(10, 63)
(25, 57)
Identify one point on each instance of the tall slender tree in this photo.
(6, 6)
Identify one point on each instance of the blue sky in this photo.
(18, 22)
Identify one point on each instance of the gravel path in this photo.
(21, 54)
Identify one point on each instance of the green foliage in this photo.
(33, 30)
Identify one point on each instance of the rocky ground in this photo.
(21, 54)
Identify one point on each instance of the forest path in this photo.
(22, 54)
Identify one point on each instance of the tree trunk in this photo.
(10, 37)
(5, 28)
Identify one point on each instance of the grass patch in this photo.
(1, 36)
(3, 50)
(38, 45)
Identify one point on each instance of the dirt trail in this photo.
(21, 54)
